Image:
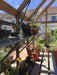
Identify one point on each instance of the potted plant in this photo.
(37, 49)
(34, 27)
(47, 47)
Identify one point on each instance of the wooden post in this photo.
(1, 23)
(33, 42)
(17, 55)
(45, 27)
(28, 48)
(17, 23)
(17, 29)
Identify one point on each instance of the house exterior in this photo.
(51, 16)
(7, 17)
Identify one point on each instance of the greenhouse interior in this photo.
(28, 37)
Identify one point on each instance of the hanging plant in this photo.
(26, 29)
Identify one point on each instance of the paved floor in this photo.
(44, 67)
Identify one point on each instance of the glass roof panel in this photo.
(34, 5)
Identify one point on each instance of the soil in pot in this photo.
(34, 56)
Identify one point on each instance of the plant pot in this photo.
(34, 56)
(34, 31)
(55, 56)
(37, 52)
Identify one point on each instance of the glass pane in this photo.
(53, 18)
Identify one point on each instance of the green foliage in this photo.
(4, 28)
(47, 30)
(51, 49)
(37, 44)
(54, 33)
(14, 71)
(3, 52)
(33, 25)
(47, 40)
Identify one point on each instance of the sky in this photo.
(33, 4)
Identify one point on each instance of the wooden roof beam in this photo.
(37, 9)
(11, 10)
(22, 6)
(8, 8)
(44, 22)
(45, 9)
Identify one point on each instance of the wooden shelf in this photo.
(10, 41)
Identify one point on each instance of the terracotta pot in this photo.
(55, 56)
(37, 52)
(34, 31)
(34, 57)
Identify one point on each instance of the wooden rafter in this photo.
(36, 10)
(25, 18)
(45, 28)
(45, 9)
(22, 6)
(47, 22)
(8, 8)
(51, 26)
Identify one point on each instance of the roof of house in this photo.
(5, 15)
(52, 10)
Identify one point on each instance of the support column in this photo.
(45, 27)
(28, 48)
(33, 42)
(17, 30)
(17, 23)
(17, 56)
